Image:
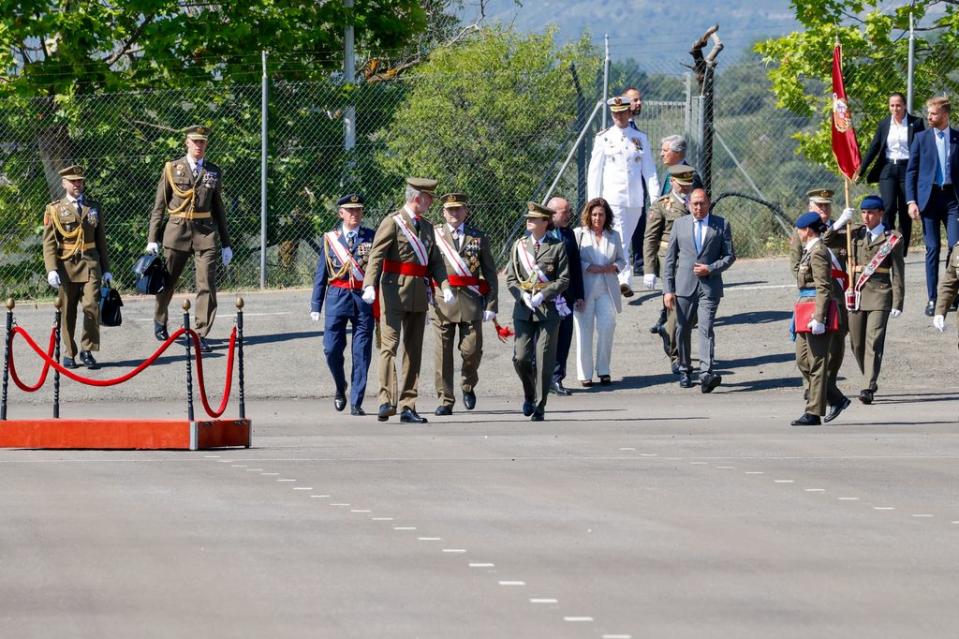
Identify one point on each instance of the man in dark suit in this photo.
(700, 249)
(890, 150)
(561, 231)
(931, 178)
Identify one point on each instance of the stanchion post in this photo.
(239, 353)
(189, 364)
(57, 316)
(6, 357)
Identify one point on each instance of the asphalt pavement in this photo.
(635, 510)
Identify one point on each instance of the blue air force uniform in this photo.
(338, 285)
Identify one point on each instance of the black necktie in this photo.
(416, 224)
(351, 240)
(456, 239)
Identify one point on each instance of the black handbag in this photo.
(110, 304)
(151, 274)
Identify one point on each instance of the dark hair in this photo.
(597, 201)
(896, 94)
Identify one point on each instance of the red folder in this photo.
(806, 309)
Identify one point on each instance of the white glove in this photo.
(939, 321)
(649, 281)
(528, 301)
(369, 294)
(227, 253)
(537, 300)
(843, 219)
(488, 316)
(54, 279)
(894, 313)
(153, 248)
(315, 316)
(107, 277)
(448, 296)
(818, 328)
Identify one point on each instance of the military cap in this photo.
(351, 201)
(424, 185)
(197, 132)
(682, 173)
(453, 200)
(871, 202)
(810, 220)
(538, 211)
(74, 172)
(820, 196)
(618, 104)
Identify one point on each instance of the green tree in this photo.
(488, 117)
(875, 53)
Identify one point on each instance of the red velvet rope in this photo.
(50, 363)
(46, 366)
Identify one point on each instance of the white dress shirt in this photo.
(897, 142)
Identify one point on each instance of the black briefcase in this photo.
(151, 274)
(110, 304)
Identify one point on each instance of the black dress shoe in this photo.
(807, 419)
(674, 366)
(409, 416)
(205, 346)
(654, 329)
(357, 411)
(385, 411)
(469, 400)
(931, 308)
(684, 381)
(866, 396)
(87, 358)
(160, 332)
(443, 410)
(538, 416)
(625, 290)
(558, 389)
(528, 408)
(339, 401)
(69, 362)
(838, 408)
(709, 382)
(605, 380)
(664, 334)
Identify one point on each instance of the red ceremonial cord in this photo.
(49, 362)
(46, 366)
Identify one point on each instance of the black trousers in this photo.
(563, 341)
(892, 188)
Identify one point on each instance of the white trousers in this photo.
(625, 221)
(599, 315)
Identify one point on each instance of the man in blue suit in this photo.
(339, 281)
(700, 249)
(931, 179)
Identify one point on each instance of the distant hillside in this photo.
(656, 33)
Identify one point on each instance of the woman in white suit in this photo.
(601, 252)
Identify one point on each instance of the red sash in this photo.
(355, 285)
(468, 280)
(405, 268)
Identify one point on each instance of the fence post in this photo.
(264, 109)
(57, 316)
(239, 354)
(581, 150)
(6, 357)
(189, 364)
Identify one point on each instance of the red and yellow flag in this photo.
(844, 145)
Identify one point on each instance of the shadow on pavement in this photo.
(756, 317)
(275, 338)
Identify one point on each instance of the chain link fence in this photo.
(502, 152)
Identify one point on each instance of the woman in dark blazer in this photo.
(890, 150)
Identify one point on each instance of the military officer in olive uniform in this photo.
(876, 291)
(190, 194)
(948, 289)
(813, 341)
(537, 276)
(471, 274)
(402, 260)
(75, 256)
(820, 201)
(339, 283)
(659, 226)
